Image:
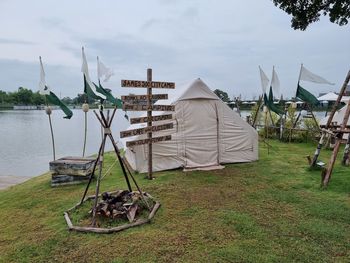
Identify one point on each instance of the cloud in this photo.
(65, 80)
(181, 40)
(16, 41)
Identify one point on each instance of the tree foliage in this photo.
(24, 96)
(305, 12)
(222, 95)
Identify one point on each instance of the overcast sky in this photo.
(222, 42)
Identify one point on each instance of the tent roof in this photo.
(196, 89)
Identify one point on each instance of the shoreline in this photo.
(6, 181)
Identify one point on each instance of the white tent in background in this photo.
(331, 96)
(337, 118)
(206, 133)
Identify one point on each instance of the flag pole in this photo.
(48, 112)
(85, 108)
(99, 83)
(295, 99)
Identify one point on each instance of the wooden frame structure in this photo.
(337, 131)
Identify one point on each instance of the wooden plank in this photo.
(140, 131)
(147, 84)
(146, 141)
(133, 107)
(154, 118)
(144, 97)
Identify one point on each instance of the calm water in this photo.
(25, 139)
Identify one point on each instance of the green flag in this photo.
(89, 87)
(53, 99)
(306, 96)
(268, 101)
(109, 96)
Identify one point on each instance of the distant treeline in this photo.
(25, 96)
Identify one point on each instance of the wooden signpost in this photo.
(154, 118)
(145, 103)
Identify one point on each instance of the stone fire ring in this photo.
(101, 230)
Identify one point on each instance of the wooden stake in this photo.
(345, 160)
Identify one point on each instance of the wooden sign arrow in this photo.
(154, 118)
(140, 131)
(147, 84)
(144, 97)
(145, 141)
(134, 107)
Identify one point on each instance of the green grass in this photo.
(272, 210)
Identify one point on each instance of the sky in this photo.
(222, 42)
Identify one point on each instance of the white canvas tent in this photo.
(331, 96)
(206, 133)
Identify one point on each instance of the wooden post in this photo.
(149, 123)
(345, 160)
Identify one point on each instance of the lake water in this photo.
(25, 139)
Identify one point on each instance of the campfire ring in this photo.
(101, 230)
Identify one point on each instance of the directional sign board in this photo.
(146, 103)
(144, 97)
(147, 84)
(146, 141)
(140, 131)
(134, 107)
(154, 118)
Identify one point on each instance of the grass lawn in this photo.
(272, 210)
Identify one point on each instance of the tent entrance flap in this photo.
(200, 132)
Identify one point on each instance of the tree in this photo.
(67, 100)
(24, 96)
(222, 95)
(38, 99)
(305, 12)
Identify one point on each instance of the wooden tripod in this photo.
(106, 124)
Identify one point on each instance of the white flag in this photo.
(275, 83)
(43, 88)
(88, 83)
(307, 75)
(103, 71)
(264, 80)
